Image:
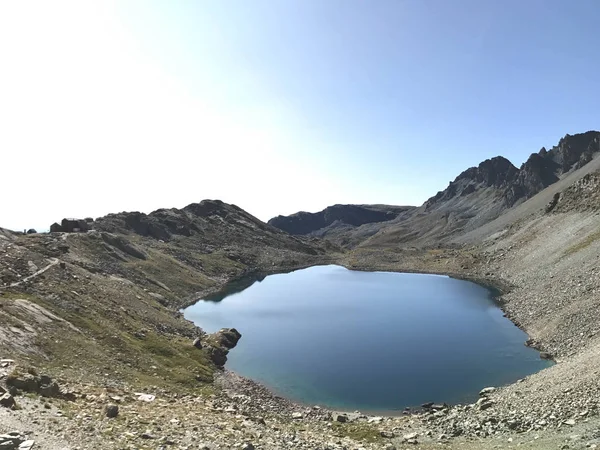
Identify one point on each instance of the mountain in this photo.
(473, 199)
(337, 222)
(511, 185)
(99, 311)
(109, 297)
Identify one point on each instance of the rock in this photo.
(24, 382)
(112, 411)
(487, 391)
(220, 343)
(248, 446)
(439, 407)
(197, 343)
(217, 355)
(27, 445)
(11, 441)
(145, 397)
(297, 415)
(409, 437)
(147, 435)
(387, 434)
(227, 337)
(342, 418)
(49, 390)
(483, 403)
(546, 355)
(570, 422)
(7, 401)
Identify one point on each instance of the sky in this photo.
(278, 106)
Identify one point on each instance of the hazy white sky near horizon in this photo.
(277, 106)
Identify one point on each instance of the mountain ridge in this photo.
(477, 196)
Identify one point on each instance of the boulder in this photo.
(484, 403)
(24, 382)
(409, 437)
(439, 406)
(486, 391)
(7, 401)
(11, 441)
(218, 344)
(111, 411)
(342, 418)
(217, 355)
(227, 337)
(31, 382)
(197, 343)
(27, 445)
(50, 389)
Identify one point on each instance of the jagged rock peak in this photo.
(495, 171)
(539, 171)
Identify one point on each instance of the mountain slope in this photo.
(336, 216)
(109, 298)
(342, 224)
(481, 194)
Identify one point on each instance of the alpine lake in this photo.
(368, 341)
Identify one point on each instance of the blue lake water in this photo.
(372, 341)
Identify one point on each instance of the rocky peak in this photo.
(573, 148)
(496, 171)
(513, 185)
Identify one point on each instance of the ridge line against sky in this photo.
(278, 106)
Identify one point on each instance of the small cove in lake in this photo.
(372, 341)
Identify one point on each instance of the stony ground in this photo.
(104, 331)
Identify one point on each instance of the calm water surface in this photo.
(373, 341)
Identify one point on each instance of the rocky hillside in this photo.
(512, 185)
(476, 197)
(111, 296)
(483, 193)
(583, 195)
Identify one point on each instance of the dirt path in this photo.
(53, 262)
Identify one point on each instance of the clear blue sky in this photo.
(280, 105)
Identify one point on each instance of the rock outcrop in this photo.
(217, 345)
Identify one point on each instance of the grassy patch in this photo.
(583, 244)
(357, 431)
